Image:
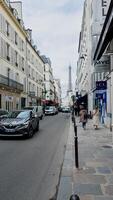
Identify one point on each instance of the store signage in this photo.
(103, 65)
(104, 7)
(101, 85)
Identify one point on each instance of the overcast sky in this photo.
(56, 25)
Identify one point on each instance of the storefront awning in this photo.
(106, 34)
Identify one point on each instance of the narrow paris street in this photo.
(30, 168)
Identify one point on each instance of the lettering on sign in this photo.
(103, 62)
(104, 6)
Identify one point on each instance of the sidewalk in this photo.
(94, 178)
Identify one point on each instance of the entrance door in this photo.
(23, 102)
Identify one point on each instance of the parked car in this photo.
(38, 110)
(50, 110)
(66, 110)
(19, 123)
(3, 113)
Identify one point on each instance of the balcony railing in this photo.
(5, 81)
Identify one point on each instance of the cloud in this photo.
(56, 26)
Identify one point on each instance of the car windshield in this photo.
(49, 107)
(19, 114)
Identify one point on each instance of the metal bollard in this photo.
(72, 117)
(76, 145)
(74, 197)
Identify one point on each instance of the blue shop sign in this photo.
(101, 85)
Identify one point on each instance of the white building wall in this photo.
(84, 63)
(12, 58)
(49, 83)
(16, 62)
(35, 71)
(58, 90)
(93, 19)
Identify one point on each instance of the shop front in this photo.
(100, 99)
(9, 100)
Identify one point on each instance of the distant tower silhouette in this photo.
(70, 81)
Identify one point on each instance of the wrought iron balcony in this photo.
(5, 81)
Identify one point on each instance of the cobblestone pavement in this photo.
(94, 178)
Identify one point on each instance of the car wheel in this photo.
(41, 117)
(37, 128)
(30, 132)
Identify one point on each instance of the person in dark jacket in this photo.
(83, 117)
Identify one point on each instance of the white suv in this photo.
(36, 109)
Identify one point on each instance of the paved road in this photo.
(29, 169)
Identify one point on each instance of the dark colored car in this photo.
(3, 113)
(19, 123)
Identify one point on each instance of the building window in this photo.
(8, 51)
(17, 77)
(16, 38)
(8, 73)
(33, 88)
(29, 55)
(29, 71)
(7, 28)
(29, 86)
(32, 73)
(32, 59)
(22, 64)
(44, 77)
(22, 45)
(16, 58)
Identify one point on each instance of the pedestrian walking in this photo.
(96, 118)
(83, 116)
